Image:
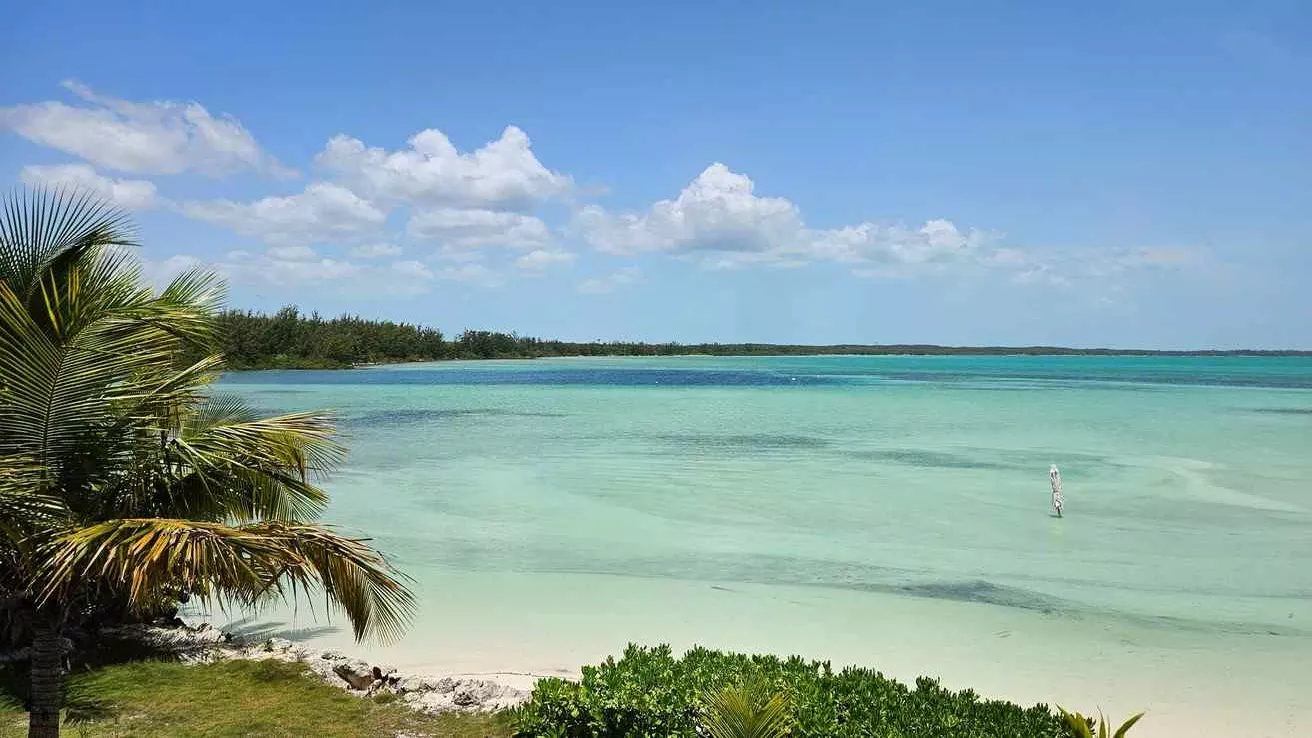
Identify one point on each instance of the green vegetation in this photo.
(649, 692)
(1079, 726)
(152, 699)
(290, 340)
(747, 710)
(125, 483)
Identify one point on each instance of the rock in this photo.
(468, 695)
(409, 684)
(277, 645)
(356, 673)
(445, 685)
(332, 656)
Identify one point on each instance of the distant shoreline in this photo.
(762, 351)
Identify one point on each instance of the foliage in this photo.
(746, 710)
(124, 478)
(649, 692)
(154, 699)
(1079, 726)
(290, 340)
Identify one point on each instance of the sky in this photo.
(1128, 174)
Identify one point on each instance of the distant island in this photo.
(289, 339)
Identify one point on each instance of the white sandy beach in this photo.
(1000, 652)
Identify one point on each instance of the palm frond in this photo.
(248, 564)
(746, 710)
(42, 231)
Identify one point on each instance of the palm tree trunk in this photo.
(47, 678)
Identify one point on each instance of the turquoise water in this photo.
(868, 509)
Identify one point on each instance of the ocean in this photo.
(892, 511)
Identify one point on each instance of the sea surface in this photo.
(890, 511)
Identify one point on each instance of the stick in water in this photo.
(1054, 476)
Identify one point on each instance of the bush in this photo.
(649, 692)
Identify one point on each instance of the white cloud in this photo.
(160, 273)
(161, 137)
(720, 214)
(539, 260)
(134, 194)
(502, 175)
(718, 211)
(375, 251)
(938, 241)
(1040, 274)
(459, 233)
(611, 282)
(323, 212)
(322, 273)
(1089, 266)
(470, 273)
(293, 253)
(412, 269)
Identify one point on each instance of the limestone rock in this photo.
(356, 673)
(408, 684)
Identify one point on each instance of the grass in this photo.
(153, 699)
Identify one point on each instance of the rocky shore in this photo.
(206, 644)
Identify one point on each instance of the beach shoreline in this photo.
(1000, 653)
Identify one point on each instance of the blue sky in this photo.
(1127, 174)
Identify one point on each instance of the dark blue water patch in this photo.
(988, 593)
(1283, 410)
(923, 458)
(417, 416)
(743, 441)
(624, 377)
(981, 459)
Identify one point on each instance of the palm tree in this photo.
(749, 709)
(124, 477)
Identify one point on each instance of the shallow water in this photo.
(892, 511)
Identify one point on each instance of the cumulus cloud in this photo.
(718, 211)
(161, 137)
(375, 251)
(502, 175)
(323, 212)
(610, 282)
(134, 194)
(720, 215)
(461, 233)
(541, 259)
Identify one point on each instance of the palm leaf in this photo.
(1125, 727)
(249, 563)
(746, 711)
(42, 232)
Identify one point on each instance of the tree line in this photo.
(289, 339)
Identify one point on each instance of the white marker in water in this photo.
(1054, 476)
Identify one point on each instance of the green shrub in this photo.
(649, 692)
